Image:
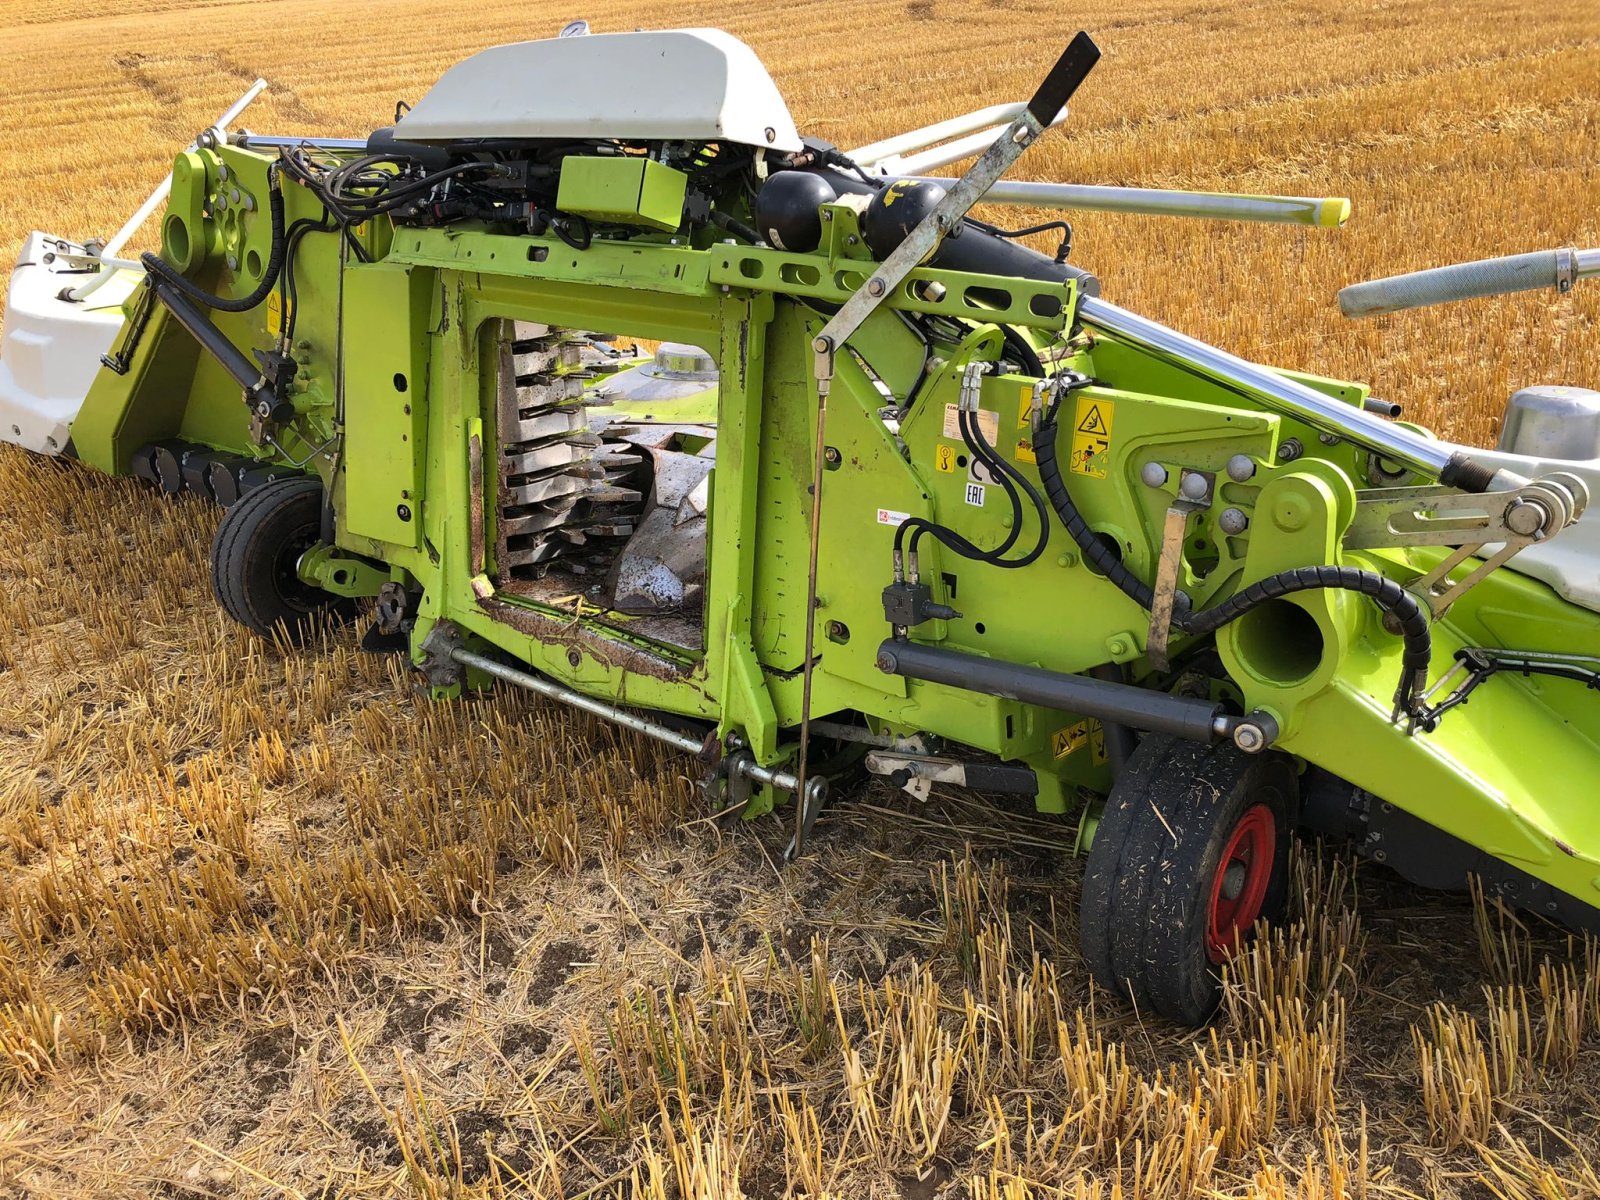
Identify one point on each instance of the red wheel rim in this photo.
(1240, 884)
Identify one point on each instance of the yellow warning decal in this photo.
(944, 458)
(1087, 732)
(1091, 436)
(274, 312)
(1025, 427)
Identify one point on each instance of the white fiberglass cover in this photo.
(674, 85)
(51, 350)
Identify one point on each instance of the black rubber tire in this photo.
(254, 555)
(1157, 852)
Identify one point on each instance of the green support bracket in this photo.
(325, 567)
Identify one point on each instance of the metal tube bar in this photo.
(1470, 281)
(1118, 703)
(929, 135)
(1394, 442)
(551, 690)
(125, 234)
(934, 157)
(1322, 211)
(277, 141)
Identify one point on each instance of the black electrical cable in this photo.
(171, 275)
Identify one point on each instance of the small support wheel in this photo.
(1190, 852)
(255, 558)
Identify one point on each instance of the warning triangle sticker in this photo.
(1093, 422)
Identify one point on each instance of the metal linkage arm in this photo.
(1070, 70)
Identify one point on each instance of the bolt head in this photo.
(1153, 475)
(1241, 467)
(875, 287)
(1249, 738)
(1194, 486)
(1526, 517)
(1233, 521)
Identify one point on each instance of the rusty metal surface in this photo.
(567, 631)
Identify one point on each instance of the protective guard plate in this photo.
(679, 85)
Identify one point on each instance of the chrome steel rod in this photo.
(551, 690)
(1324, 212)
(277, 141)
(1394, 442)
(928, 135)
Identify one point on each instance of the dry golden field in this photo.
(272, 925)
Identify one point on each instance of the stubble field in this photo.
(272, 925)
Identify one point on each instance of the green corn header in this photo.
(883, 492)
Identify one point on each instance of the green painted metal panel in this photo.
(385, 401)
(627, 191)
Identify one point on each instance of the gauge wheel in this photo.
(255, 558)
(1191, 851)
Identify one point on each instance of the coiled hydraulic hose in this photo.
(1400, 604)
(170, 275)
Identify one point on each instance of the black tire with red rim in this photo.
(1190, 853)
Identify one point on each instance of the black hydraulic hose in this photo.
(972, 431)
(1400, 604)
(170, 275)
(964, 424)
(1095, 552)
(1389, 596)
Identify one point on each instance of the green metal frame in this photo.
(395, 357)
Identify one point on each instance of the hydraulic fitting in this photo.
(907, 604)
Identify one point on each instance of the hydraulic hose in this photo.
(1095, 552)
(972, 431)
(171, 276)
(1400, 604)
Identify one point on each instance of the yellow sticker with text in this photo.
(1087, 732)
(1091, 436)
(1025, 427)
(944, 458)
(274, 312)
